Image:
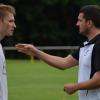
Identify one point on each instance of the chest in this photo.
(85, 57)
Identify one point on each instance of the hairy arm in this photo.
(55, 61)
(58, 62)
(93, 83)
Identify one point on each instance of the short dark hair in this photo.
(4, 9)
(92, 12)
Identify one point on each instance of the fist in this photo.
(70, 88)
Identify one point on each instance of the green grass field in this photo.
(38, 81)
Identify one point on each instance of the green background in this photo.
(35, 80)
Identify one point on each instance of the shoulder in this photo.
(97, 44)
(96, 47)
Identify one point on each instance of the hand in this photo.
(70, 88)
(26, 48)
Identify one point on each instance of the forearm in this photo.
(55, 61)
(90, 84)
(93, 83)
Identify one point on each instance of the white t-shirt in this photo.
(3, 78)
(89, 63)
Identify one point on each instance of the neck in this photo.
(92, 33)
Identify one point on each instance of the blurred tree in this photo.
(47, 22)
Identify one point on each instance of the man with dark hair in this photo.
(87, 57)
(7, 25)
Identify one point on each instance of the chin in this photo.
(9, 35)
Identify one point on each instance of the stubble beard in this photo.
(85, 32)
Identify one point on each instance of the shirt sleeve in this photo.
(96, 56)
(75, 54)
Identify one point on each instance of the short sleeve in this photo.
(96, 56)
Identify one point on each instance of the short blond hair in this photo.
(4, 9)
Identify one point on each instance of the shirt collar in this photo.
(92, 41)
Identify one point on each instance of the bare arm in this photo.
(55, 61)
(58, 62)
(93, 83)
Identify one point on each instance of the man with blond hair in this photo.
(7, 25)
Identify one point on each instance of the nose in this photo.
(77, 24)
(14, 25)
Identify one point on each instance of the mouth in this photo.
(12, 30)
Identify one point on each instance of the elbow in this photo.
(62, 68)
